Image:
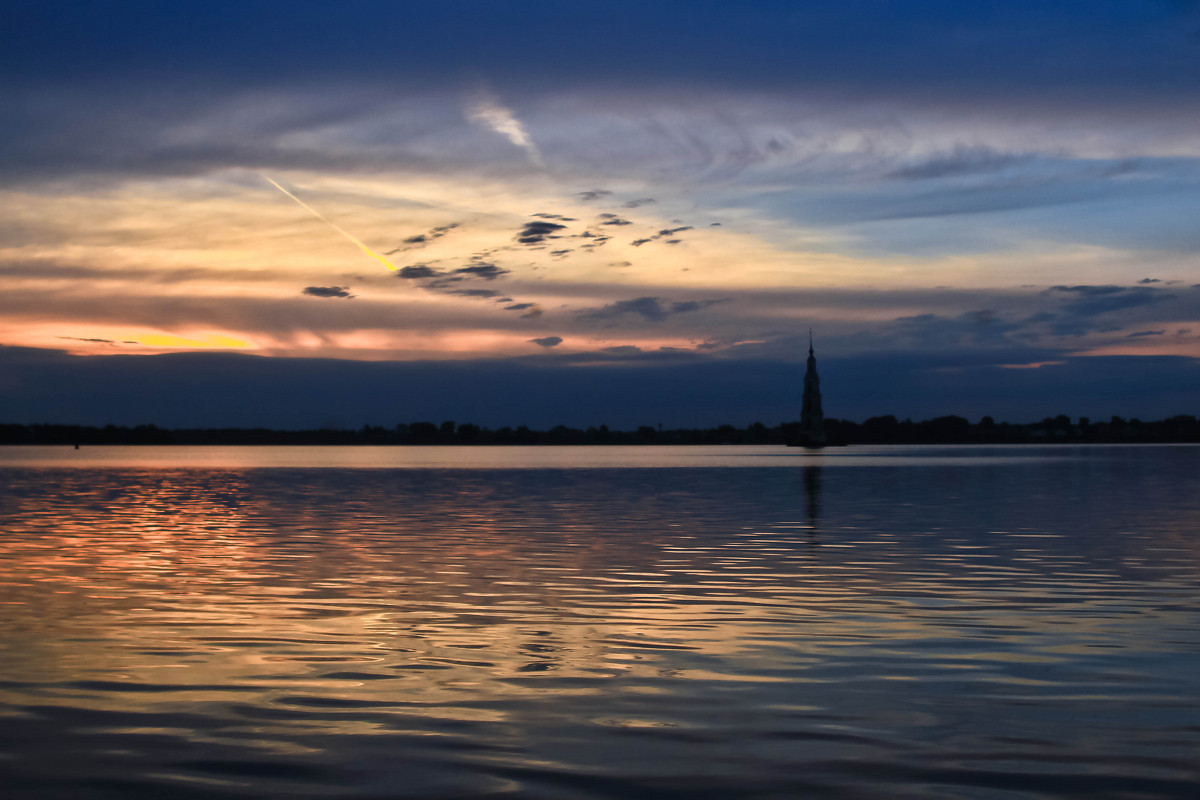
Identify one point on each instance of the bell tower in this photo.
(812, 418)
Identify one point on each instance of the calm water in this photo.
(600, 623)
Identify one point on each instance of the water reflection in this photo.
(602, 633)
(812, 496)
(519, 457)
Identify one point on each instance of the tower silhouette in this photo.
(812, 418)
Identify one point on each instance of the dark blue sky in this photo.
(211, 390)
(926, 47)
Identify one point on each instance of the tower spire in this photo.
(812, 418)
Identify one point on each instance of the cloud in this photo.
(960, 160)
(651, 309)
(695, 305)
(327, 291)
(1090, 301)
(622, 350)
(1150, 280)
(532, 313)
(474, 292)
(907, 59)
(593, 194)
(638, 203)
(660, 235)
(1032, 365)
(277, 325)
(538, 232)
(1145, 333)
(597, 239)
(419, 271)
(485, 109)
(615, 220)
(518, 306)
(1065, 311)
(444, 281)
(97, 341)
(424, 238)
(555, 216)
(484, 270)
(982, 327)
(547, 341)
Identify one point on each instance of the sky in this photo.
(301, 214)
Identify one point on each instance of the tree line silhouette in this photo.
(876, 430)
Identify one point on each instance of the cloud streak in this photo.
(485, 109)
(334, 225)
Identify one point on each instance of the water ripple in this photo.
(999, 627)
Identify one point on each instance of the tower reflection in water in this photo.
(812, 497)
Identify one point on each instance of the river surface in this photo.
(620, 622)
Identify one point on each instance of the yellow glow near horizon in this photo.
(165, 340)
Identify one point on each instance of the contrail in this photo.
(486, 109)
(333, 225)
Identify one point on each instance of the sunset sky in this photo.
(621, 213)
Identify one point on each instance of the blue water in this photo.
(631, 623)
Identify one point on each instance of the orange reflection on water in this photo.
(489, 608)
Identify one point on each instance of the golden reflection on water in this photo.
(522, 617)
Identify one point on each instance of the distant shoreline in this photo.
(876, 430)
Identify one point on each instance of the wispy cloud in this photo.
(485, 109)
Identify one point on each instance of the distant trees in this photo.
(885, 429)
(422, 432)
